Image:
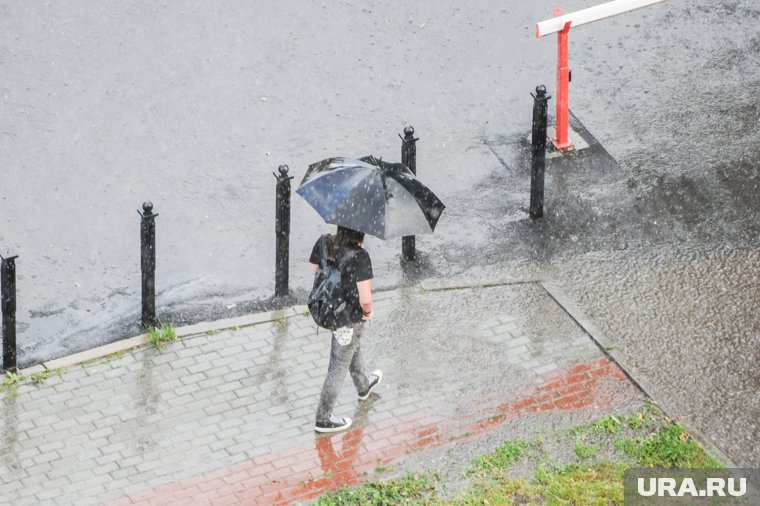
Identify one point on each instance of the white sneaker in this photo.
(335, 424)
(374, 379)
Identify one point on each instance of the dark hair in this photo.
(344, 239)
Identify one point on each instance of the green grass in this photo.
(39, 378)
(410, 489)
(671, 447)
(585, 451)
(600, 484)
(643, 439)
(635, 421)
(10, 382)
(162, 335)
(13, 380)
(503, 458)
(610, 424)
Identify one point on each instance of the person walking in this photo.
(344, 249)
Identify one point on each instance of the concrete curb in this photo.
(622, 361)
(440, 286)
(131, 343)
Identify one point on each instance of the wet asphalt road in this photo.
(192, 106)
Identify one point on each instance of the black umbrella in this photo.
(372, 196)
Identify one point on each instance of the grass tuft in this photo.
(10, 382)
(158, 337)
(504, 457)
(13, 380)
(671, 447)
(585, 451)
(636, 421)
(609, 423)
(39, 378)
(410, 489)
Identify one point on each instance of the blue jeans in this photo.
(342, 359)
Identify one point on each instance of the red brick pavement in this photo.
(306, 471)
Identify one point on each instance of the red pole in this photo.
(562, 141)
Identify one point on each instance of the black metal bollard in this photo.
(538, 154)
(282, 231)
(409, 158)
(148, 265)
(8, 304)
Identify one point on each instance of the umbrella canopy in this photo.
(375, 197)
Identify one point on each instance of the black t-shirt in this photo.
(355, 269)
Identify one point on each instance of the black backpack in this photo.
(327, 300)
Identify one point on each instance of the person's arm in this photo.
(316, 255)
(365, 298)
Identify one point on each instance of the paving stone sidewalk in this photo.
(226, 417)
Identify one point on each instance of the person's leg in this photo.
(357, 364)
(364, 383)
(340, 359)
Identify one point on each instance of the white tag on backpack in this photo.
(343, 335)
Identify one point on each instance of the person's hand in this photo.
(367, 316)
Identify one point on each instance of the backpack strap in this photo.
(340, 262)
(346, 257)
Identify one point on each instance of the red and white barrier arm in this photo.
(590, 15)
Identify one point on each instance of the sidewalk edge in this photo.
(132, 343)
(607, 347)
